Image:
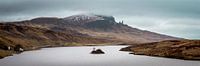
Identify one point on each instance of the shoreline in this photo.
(7, 53)
(177, 49)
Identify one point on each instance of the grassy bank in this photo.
(181, 49)
(5, 53)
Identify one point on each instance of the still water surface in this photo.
(80, 56)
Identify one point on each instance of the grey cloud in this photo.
(127, 7)
(172, 17)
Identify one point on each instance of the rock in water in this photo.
(98, 51)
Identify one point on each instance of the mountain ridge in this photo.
(97, 26)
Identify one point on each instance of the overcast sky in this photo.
(180, 18)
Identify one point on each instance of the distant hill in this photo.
(98, 26)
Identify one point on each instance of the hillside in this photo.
(99, 26)
(34, 38)
(182, 49)
(13, 34)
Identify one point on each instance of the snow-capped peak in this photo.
(83, 17)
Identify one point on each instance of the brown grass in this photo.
(182, 49)
(4, 53)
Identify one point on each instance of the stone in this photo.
(98, 51)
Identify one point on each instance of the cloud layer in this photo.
(172, 17)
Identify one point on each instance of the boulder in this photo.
(98, 51)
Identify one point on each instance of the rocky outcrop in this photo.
(98, 51)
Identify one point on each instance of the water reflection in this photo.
(80, 56)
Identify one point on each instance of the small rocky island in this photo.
(98, 51)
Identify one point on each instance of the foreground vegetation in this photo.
(4, 53)
(181, 49)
